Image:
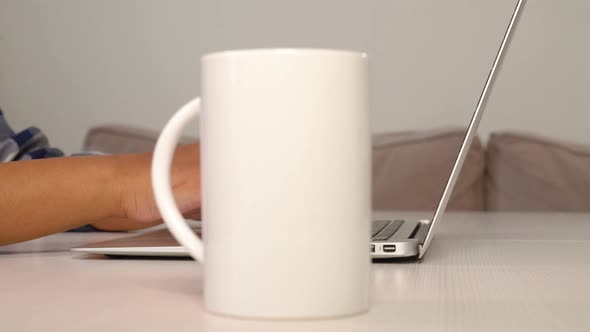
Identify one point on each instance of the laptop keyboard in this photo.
(384, 229)
(378, 226)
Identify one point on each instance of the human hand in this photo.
(138, 206)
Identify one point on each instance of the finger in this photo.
(122, 224)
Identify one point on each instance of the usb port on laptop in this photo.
(389, 248)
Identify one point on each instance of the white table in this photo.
(484, 272)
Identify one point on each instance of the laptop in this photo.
(391, 238)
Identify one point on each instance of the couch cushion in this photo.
(527, 172)
(115, 139)
(410, 170)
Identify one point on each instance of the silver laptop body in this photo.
(391, 238)
(413, 238)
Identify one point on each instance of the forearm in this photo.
(42, 197)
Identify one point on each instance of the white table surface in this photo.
(484, 272)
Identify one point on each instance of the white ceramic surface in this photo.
(285, 161)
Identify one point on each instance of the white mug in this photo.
(285, 180)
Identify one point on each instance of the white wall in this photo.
(66, 65)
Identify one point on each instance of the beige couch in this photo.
(515, 172)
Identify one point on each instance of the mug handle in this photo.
(161, 163)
